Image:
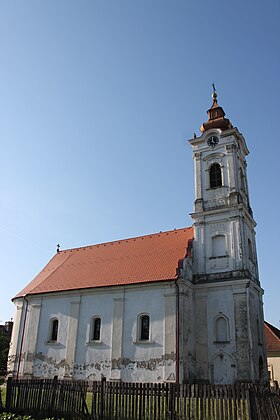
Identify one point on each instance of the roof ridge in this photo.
(125, 239)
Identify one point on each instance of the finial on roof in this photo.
(57, 248)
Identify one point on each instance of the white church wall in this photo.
(50, 356)
(152, 360)
(12, 365)
(220, 306)
(187, 368)
(120, 354)
(93, 358)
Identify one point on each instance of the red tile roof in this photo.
(150, 258)
(272, 337)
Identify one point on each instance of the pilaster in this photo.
(71, 338)
(31, 341)
(169, 351)
(117, 338)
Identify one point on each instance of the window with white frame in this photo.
(215, 175)
(53, 330)
(95, 329)
(144, 327)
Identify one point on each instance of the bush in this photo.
(10, 416)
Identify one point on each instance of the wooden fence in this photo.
(71, 399)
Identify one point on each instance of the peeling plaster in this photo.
(49, 366)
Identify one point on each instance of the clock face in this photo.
(213, 141)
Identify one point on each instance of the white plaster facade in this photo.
(273, 361)
(207, 326)
(119, 354)
(225, 271)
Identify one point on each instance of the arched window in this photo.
(95, 329)
(144, 327)
(54, 329)
(242, 181)
(215, 176)
(218, 246)
(250, 250)
(221, 329)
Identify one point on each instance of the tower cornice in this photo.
(196, 141)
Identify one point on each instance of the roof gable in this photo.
(149, 258)
(272, 337)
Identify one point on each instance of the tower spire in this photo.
(216, 115)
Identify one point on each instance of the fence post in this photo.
(252, 409)
(171, 404)
(102, 397)
(52, 407)
(248, 400)
(9, 394)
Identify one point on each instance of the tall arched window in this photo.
(215, 176)
(144, 327)
(221, 329)
(219, 246)
(250, 250)
(95, 328)
(242, 181)
(54, 329)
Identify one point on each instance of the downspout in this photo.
(249, 331)
(177, 333)
(22, 335)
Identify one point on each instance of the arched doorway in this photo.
(222, 369)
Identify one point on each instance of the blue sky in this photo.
(97, 101)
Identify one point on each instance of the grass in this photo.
(3, 394)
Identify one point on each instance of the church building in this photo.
(179, 306)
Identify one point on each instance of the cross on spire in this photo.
(214, 94)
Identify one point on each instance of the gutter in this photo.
(22, 334)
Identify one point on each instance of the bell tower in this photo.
(228, 296)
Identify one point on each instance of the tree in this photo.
(4, 350)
